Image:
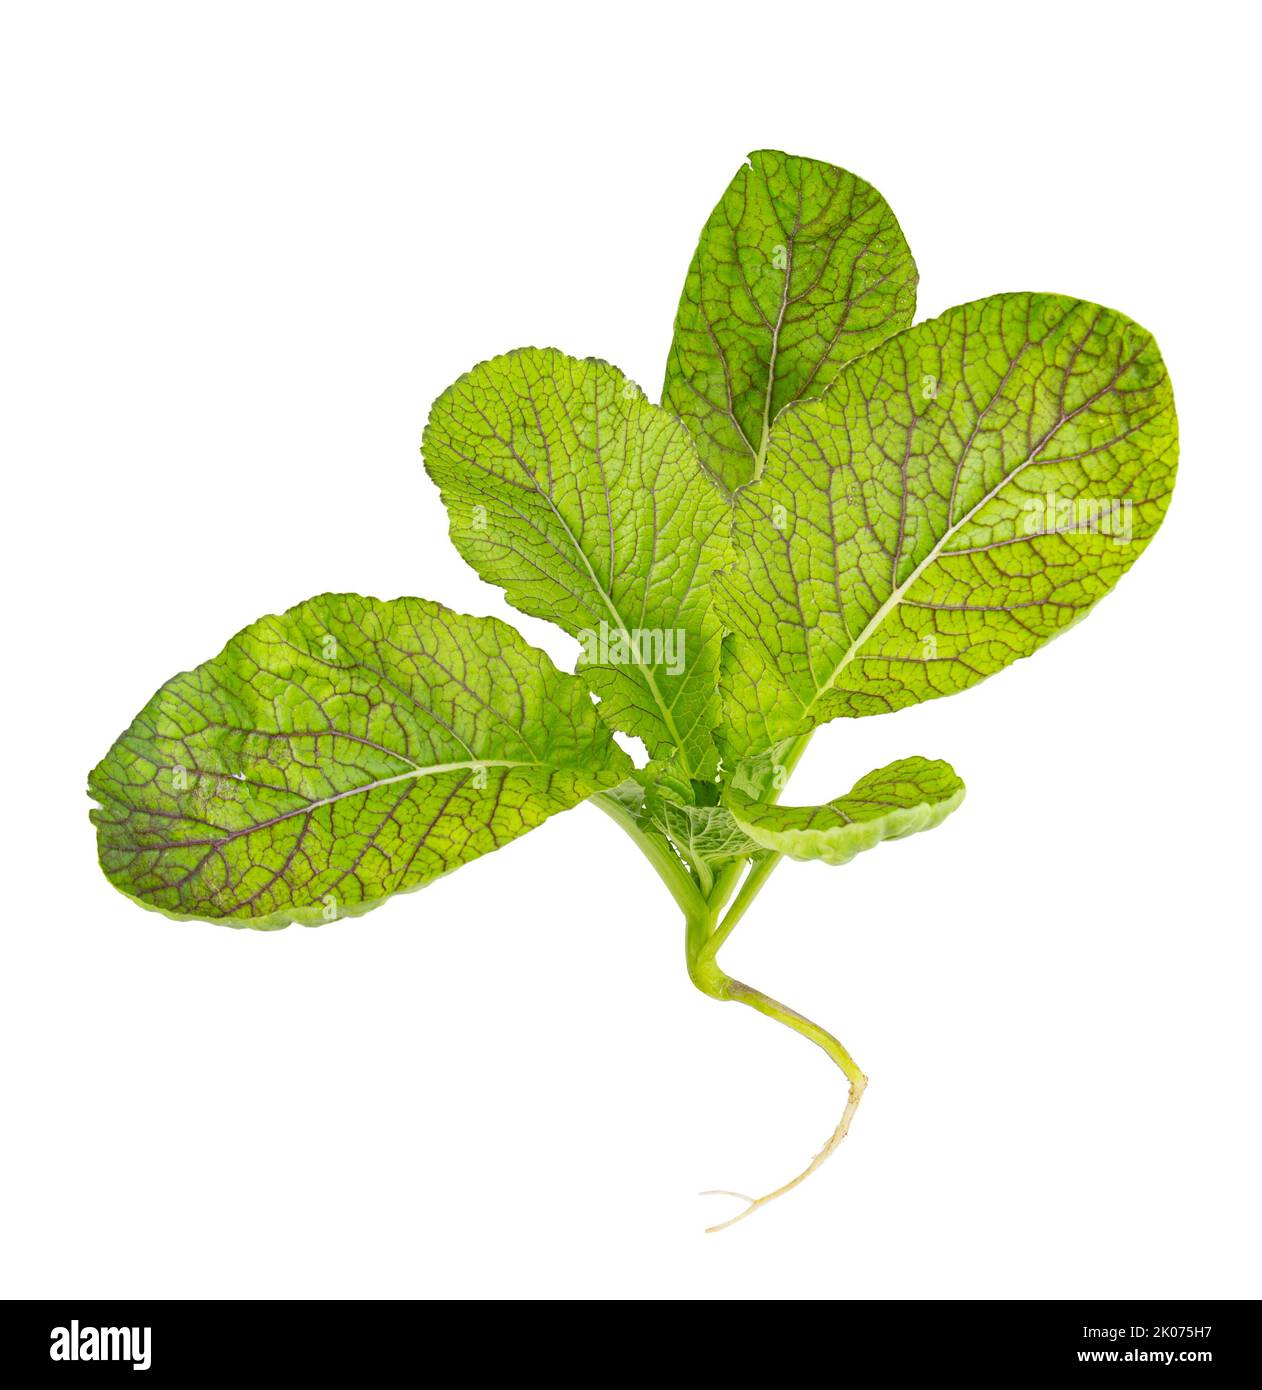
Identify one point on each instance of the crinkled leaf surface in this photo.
(801, 267)
(900, 799)
(588, 505)
(665, 802)
(347, 750)
(958, 497)
(706, 836)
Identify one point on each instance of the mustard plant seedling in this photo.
(832, 514)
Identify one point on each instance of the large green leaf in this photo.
(801, 267)
(957, 498)
(588, 505)
(344, 751)
(894, 801)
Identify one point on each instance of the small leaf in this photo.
(344, 751)
(907, 796)
(958, 497)
(588, 505)
(646, 787)
(666, 780)
(801, 267)
(706, 836)
(687, 813)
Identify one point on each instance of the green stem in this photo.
(715, 982)
(728, 877)
(706, 974)
(762, 868)
(705, 934)
(655, 849)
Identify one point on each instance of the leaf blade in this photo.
(895, 549)
(704, 834)
(347, 749)
(800, 268)
(588, 506)
(890, 803)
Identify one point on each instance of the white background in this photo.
(245, 247)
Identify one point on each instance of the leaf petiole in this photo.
(670, 869)
(763, 867)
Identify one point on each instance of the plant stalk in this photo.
(655, 849)
(711, 979)
(707, 928)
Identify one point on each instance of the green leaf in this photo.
(801, 267)
(344, 751)
(754, 776)
(705, 836)
(644, 790)
(664, 802)
(628, 795)
(587, 504)
(907, 796)
(958, 497)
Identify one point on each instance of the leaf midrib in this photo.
(896, 595)
(646, 671)
(432, 770)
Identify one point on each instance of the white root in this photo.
(843, 1127)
